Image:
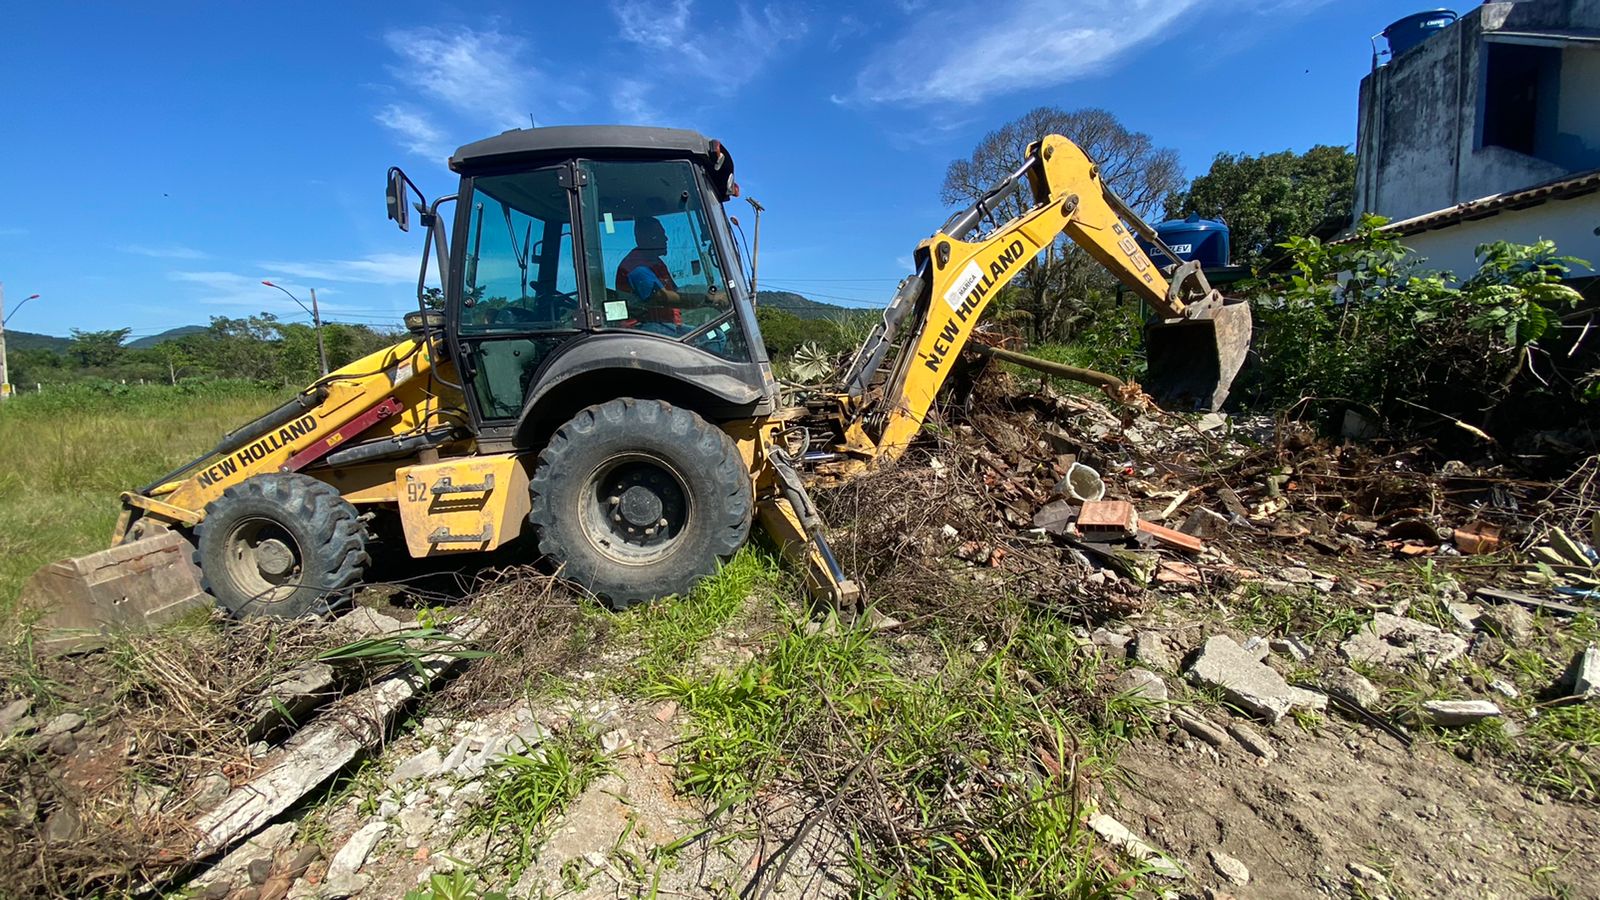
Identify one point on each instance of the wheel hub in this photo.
(263, 559)
(640, 506)
(636, 508)
(274, 558)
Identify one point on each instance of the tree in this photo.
(1059, 289)
(97, 349)
(175, 355)
(36, 364)
(244, 348)
(1268, 199)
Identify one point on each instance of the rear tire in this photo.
(281, 545)
(638, 499)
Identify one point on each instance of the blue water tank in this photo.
(1403, 34)
(1192, 238)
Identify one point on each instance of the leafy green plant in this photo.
(456, 885)
(524, 790)
(810, 363)
(402, 648)
(1363, 323)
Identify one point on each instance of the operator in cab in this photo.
(644, 274)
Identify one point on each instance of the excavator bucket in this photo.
(135, 585)
(1191, 363)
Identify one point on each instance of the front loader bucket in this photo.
(1191, 363)
(136, 585)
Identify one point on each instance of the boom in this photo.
(935, 311)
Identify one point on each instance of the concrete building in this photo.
(1489, 129)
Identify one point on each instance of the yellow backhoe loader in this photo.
(595, 382)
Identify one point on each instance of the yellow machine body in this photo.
(396, 387)
(463, 505)
(452, 499)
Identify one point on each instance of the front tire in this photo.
(282, 545)
(639, 499)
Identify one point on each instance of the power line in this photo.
(869, 301)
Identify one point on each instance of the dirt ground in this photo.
(1432, 823)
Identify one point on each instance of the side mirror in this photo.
(399, 211)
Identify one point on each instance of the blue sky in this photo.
(159, 160)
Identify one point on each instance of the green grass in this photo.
(1305, 613)
(525, 790)
(670, 632)
(69, 453)
(955, 751)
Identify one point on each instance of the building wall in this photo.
(1422, 123)
(1571, 223)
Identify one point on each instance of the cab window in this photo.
(519, 273)
(518, 297)
(653, 263)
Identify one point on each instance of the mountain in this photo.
(27, 340)
(800, 306)
(170, 334)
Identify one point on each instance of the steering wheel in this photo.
(560, 299)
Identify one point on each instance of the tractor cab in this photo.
(581, 256)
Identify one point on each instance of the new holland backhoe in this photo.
(595, 384)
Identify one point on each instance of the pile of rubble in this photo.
(1054, 492)
(1193, 523)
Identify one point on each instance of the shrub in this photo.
(1363, 323)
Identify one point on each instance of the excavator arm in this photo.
(1195, 348)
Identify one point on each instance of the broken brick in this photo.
(1107, 518)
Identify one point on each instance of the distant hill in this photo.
(27, 340)
(788, 301)
(170, 334)
(800, 306)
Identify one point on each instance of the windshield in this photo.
(654, 265)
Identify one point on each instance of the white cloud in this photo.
(234, 289)
(415, 130)
(480, 77)
(693, 54)
(631, 99)
(164, 251)
(374, 268)
(220, 288)
(970, 52)
(651, 24)
(474, 73)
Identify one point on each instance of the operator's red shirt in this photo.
(640, 257)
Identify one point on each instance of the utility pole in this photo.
(316, 318)
(5, 376)
(755, 252)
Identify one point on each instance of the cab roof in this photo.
(531, 146)
(563, 141)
